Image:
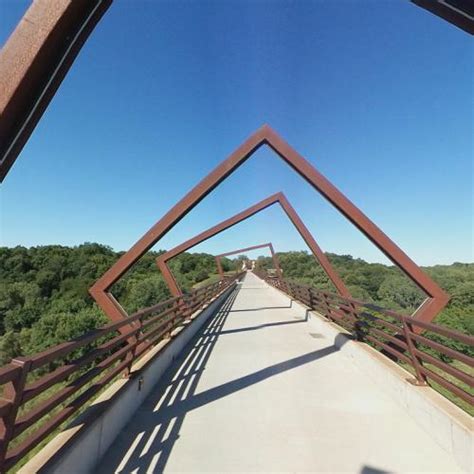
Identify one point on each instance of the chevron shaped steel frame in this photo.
(276, 263)
(278, 198)
(33, 63)
(436, 298)
(164, 258)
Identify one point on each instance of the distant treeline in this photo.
(44, 296)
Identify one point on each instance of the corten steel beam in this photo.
(457, 12)
(276, 263)
(435, 302)
(33, 63)
(278, 198)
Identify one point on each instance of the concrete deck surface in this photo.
(259, 391)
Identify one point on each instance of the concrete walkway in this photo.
(259, 391)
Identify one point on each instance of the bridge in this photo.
(254, 372)
(249, 374)
(261, 388)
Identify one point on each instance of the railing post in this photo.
(13, 392)
(182, 306)
(131, 354)
(416, 361)
(311, 300)
(292, 292)
(326, 304)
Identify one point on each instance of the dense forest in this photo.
(44, 296)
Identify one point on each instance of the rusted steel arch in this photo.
(33, 63)
(278, 198)
(163, 259)
(276, 263)
(45, 43)
(434, 303)
(458, 13)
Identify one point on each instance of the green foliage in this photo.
(52, 329)
(9, 347)
(227, 264)
(44, 297)
(398, 292)
(146, 292)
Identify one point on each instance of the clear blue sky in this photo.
(376, 94)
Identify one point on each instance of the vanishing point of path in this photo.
(257, 390)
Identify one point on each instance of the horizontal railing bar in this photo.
(63, 349)
(39, 386)
(153, 309)
(447, 385)
(156, 329)
(390, 349)
(459, 374)
(156, 319)
(22, 449)
(9, 373)
(444, 349)
(36, 413)
(147, 343)
(390, 338)
(340, 315)
(387, 324)
(450, 333)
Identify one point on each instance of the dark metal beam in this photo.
(33, 63)
(460, 13)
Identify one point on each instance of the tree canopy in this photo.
(44, 297)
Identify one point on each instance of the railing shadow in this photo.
(373, 470)
(262, 308)
(148, 445)
(261, 326)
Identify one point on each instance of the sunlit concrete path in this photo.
(258, 390)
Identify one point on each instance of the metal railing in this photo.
(426, 349)
(42, 391)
